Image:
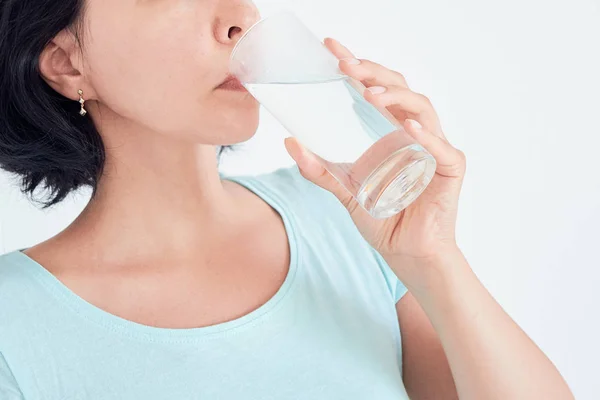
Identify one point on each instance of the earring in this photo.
(82, 101)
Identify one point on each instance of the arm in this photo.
(489, 355)
(425, 368)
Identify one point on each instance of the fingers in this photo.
(338, 49)
(368, 72)
(402, 100)
(451, 162)
(371, 74)
(389, 89)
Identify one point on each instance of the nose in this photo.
(233, 20)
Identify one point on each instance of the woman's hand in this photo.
(419, 245)
(425, 230)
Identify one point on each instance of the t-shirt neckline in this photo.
(130, 328)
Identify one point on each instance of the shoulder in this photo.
(287, 186)
(317, 217)
(289, 180)
(11, 301)
(324, 222)
(330, 218)
(15, 284)
(309, 193)
(10, 269)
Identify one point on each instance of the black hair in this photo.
(43, 139)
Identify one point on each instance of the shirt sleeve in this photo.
(397, 288)
(9, 390)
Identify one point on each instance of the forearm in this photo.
(489, 355)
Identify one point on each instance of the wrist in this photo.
(433, 274)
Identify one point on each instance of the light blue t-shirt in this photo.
(330, 332)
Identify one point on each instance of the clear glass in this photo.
(297, 79)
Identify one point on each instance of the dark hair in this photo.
(43, 139)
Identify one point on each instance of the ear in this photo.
(61, 66)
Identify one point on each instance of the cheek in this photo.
(165, 83)
(154, 79)
(172, 95)
(146, 85)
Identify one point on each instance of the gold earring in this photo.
(82, 101)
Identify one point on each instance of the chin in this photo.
(241, 125)
(227, 123)
(236, 130)
(237, 134)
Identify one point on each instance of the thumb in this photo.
(313, 168)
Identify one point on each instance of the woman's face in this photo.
(159, 63)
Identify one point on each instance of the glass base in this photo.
(397, 182)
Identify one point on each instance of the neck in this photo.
(159, 196)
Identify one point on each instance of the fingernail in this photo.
(415, 125)
(351, 61)
(377, 89)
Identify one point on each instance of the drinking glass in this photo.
(297, 79)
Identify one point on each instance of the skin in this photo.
(158, 235)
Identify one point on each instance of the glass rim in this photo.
(241, 39)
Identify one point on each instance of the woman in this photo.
(177, 282)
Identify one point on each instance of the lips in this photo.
(231, 83)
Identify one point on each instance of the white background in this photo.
(516, 86)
